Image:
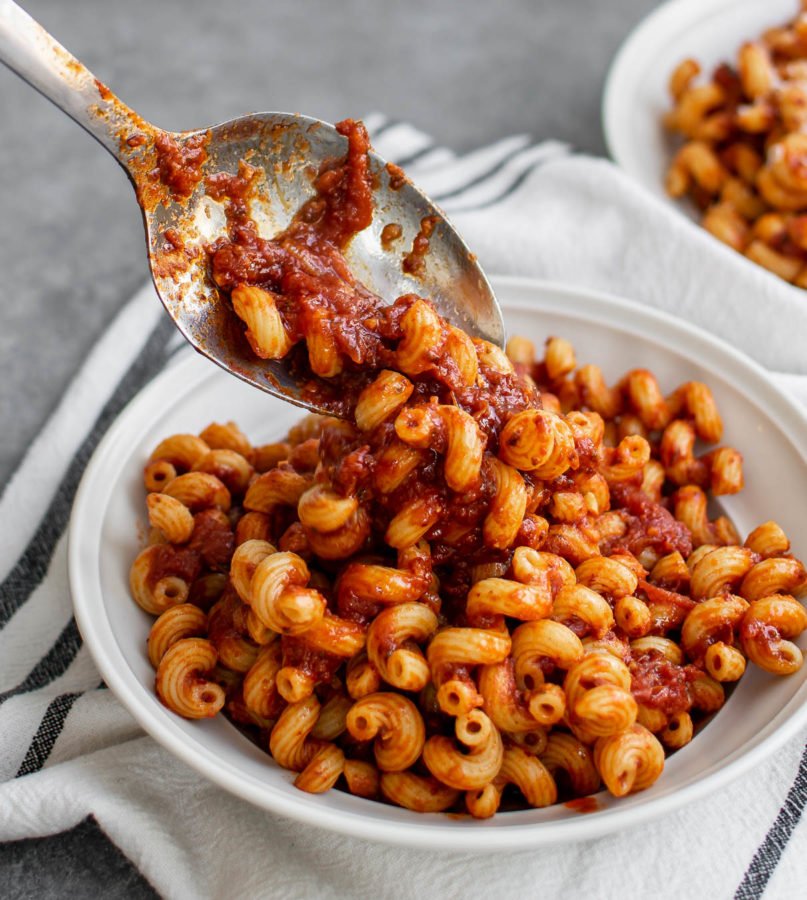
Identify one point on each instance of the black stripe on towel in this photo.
(767, 857)
(411, 158)
(484, 176)
(510, 189)
(383, 127)
(32, 565)
(52, 665)
(49, 730)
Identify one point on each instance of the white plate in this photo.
(636, 97)
(760, 714)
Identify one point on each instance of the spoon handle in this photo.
(27, 49)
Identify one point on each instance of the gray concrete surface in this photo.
(71, 242)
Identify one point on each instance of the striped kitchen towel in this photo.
(68, 749)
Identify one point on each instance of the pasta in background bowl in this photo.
(636, 97)
(761, 712)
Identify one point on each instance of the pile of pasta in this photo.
(439, 615)
(744, 161)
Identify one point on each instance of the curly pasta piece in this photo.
(606, 575)
(504, 597)
(459, 647)
(266, 333)
(596, 394)
(245, 560)
(538, 441)
(766, 633)
(503, 702)
(395, 726)
(709, 621)
(199, 490)
(598, 695)
(417, 792)
(678, 731)
(668, 648)
(720, 571)
(182, 451)
(690, 507)
(526, 772)
(171, 516)
(460, 348)
(474, 769)
(508, 507)
(334, 635)
(230, 467)
(536, 642)
(363, 779)
(775, 575)
(322, 771)
(368, 586)
(229, 633)
(577, 602)
(629, 760)
(280, 486)
(289, 741)
(633, 616)
(343, 541)
(530, 776)
(180, 681)
(724, 662)
(423, 340)
(707, 694)
(253, 526)
(768, 540)
(322, 509)
(390, 647)
(176, 623)
(226, 436)
(412, 522)
(268, 456)
(332, 721)
(157, 474)
(361, 677)
(260, 688)
(154, 587)
(279, 597)
(536, 567)
(566, 753)
(625, 461)
(382, 399)
(449, 427)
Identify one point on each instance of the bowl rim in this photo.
(623, 64)
(429, 832)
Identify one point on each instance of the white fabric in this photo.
(569, 218)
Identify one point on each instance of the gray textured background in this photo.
(71, 240)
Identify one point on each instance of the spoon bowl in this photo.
(182, 220)
(288, 151)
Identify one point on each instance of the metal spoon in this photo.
(289, 149)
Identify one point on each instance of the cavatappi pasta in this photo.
(539, 631)
(744, 156)
(495, 575)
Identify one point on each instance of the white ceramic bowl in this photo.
(636, 97)
(759, 715)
